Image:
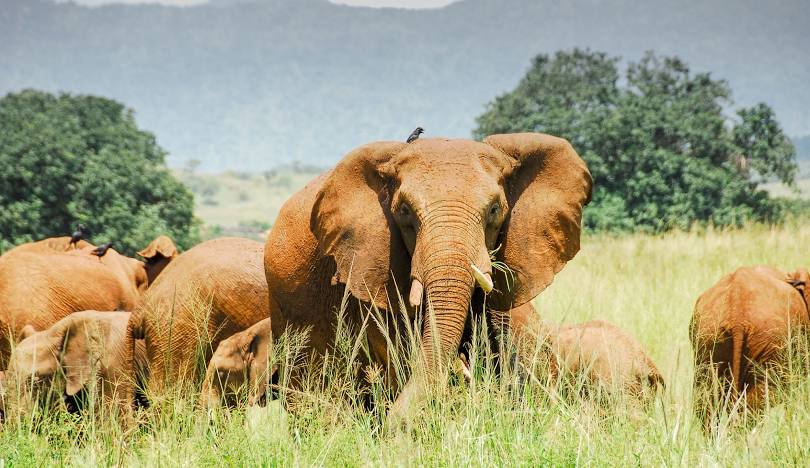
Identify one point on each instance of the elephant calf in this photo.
(739, 328)
(82, 352)
(240, 364)
(608, 357)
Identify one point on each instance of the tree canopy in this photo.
(71, 159)
(659, 140)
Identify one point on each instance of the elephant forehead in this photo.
(439, 153)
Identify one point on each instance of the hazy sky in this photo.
(372, 3)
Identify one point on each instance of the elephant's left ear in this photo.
(161, 247)
(547, 186)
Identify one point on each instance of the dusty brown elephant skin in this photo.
(607, 356)
(740, 325)
(423, 216)
(42, 282)
(84, 351)
(206, 294)
(240, 366)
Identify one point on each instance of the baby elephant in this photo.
(739, 331)
(240, 366)
(83, 352)
(605, 355)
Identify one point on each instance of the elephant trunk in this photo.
(449, 256)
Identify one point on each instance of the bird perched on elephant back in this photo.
(423, 217)
(206, 294)
(42, 282)
(739, 330)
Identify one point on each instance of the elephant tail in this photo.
(737, 338)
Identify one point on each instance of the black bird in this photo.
(415, 134)
(78, 235)
(101, 250)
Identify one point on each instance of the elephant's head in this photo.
(157, 255)
(425, 216)
(239, 365)
(47, 365)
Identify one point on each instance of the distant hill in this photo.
(250, 85)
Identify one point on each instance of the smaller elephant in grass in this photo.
(79, 359)
(603, 355)
(739, 331)
(240, 366)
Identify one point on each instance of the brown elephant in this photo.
(739, 328)
(42, 282)
(423, 217)
(84, 351)
(205, 295)
(240, 366)
(603, 355)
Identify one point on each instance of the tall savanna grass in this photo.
(645, 284)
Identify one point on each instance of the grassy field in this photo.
(645, 284)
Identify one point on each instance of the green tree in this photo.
(660, 146)
(73, 159)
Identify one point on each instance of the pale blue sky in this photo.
(371, 3)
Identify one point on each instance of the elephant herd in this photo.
(435, 232)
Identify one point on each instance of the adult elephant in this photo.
(207, 294)
(424, 217)
(739, 330)
(43, 282)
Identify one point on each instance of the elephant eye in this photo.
(493, 211)
(404, 210)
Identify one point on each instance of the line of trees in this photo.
(663, 148)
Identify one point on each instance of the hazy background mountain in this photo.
(250, 85)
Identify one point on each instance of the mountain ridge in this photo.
(250, 85)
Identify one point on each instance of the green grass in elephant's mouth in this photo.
(645, 284)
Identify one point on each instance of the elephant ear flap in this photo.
(260, 370)
(81, 349)
(547, 186)
(353, 225)
(800, 279)
(161, 247)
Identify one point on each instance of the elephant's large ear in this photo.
(161, 247)
(81, 347)
(547, 185)
(354, 226)
(260, 369)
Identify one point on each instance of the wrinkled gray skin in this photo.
(240, 366)
(82, 352)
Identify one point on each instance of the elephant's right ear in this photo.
(353, 224)
(81, 347)
(161, 247)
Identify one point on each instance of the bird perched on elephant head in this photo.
(415, 134)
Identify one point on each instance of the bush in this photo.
(81, 159)
(661, 148)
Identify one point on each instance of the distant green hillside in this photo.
(243, 204)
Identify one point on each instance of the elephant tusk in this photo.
(484, 279)
(464, 368)
(415, 297)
